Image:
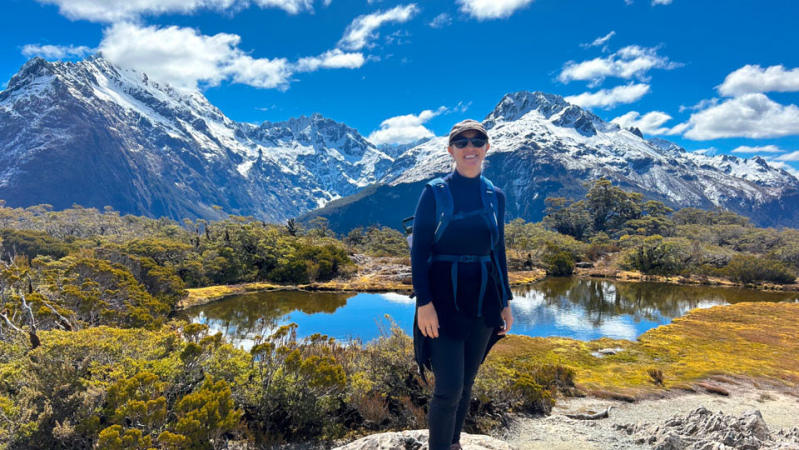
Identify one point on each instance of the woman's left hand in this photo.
(507, 316)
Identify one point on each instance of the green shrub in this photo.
(655, 255)
(751, 269)
(32, 244)
(558, 263)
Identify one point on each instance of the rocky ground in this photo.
(677, 421)
(752, 416)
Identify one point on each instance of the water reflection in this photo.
(590, 309)
(567, 307)
(243, 317)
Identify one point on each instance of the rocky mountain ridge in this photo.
(94, 134)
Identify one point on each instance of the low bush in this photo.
(751, 269)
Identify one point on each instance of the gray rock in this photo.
(669, 441)
(702, 430)
(417, 440)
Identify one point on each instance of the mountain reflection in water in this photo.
(583, 309)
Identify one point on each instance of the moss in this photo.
(758, 340)
(203, 295)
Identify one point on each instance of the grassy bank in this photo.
(752, 340)
(373, 282)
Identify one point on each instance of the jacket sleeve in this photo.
(423, 235)
(503, 262)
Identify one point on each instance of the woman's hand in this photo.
(507, 316)
(428, 320)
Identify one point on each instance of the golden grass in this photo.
(373, 282)
(526, 277)
(201, 296)
(751, 340)
(627, 275)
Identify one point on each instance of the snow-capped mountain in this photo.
(93, 134)
(542, 146)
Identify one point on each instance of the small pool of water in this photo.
(567, 307)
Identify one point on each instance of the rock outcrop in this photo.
(417, 440)
(702, 430)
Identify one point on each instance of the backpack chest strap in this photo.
(457, 259)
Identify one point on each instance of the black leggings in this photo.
(455, 365)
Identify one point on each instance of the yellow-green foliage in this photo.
(750, 269)
(377, 241)
(103, 293)
(656, 255)
(32, 243)
(746, 339)
(204, 416)
(523, 239)
(117, 437)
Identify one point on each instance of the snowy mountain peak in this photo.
(550, 107)
(516, 105)
(165, 150)
(320, 133)
(33, 69)
(665, 146)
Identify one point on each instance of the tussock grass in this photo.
(750, 340)
(203, 295)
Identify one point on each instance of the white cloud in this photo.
(56, 51)
(179, 56)
(460, 107)
(332, 59)
(492, 9)
(600, 41)
(363, 29)
(290, 6)
(442, 20)
(649, 123)
(116, 11)
(751, 79)
(629, 62)
(405, 129)
(763, 149)
(793, 156)
(608, 98)
(750, 115)
(185, 58)
(703, 104)
(661, 2)
(261, 72)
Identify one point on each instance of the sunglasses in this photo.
(477, 142)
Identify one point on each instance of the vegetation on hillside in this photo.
(651, 238)
(90, 357)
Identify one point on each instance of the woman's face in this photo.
(468, 160)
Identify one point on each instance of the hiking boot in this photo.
(455, 446)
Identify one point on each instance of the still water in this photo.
(568, 307)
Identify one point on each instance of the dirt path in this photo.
(779, 407)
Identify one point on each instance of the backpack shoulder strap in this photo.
(490, 205)
(445, 205)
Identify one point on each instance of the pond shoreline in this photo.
(380, 282)
(375, 283)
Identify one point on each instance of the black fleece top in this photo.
(470, 236)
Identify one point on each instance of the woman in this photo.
(460, 279)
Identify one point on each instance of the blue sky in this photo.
(712, 76)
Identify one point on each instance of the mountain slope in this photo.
(542, 146)
(93, 134)
(96, 135)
